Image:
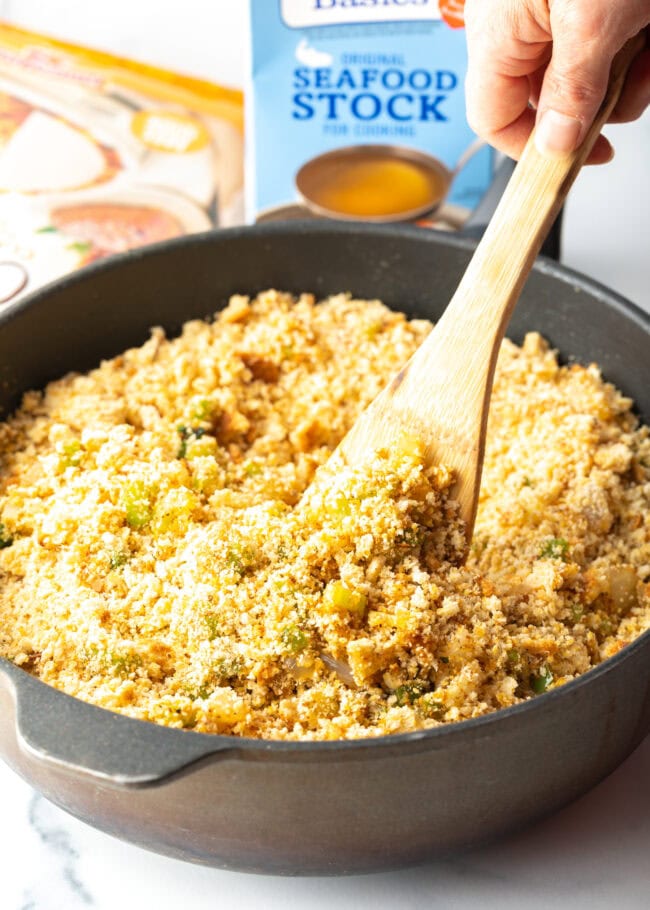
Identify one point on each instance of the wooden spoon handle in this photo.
(530, 204)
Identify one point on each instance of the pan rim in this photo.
(543, 265)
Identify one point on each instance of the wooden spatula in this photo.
(442, 395)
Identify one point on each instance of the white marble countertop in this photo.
(591, 856)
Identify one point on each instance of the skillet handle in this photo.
(56, 729)
(475, 226)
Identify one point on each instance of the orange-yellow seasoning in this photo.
(373, 186)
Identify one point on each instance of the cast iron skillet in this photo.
(337, 806)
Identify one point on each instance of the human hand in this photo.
(546, 63)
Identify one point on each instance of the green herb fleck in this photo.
(252, 469)
(125, 664)
(577, 612)
(186, 434)
(118, 558)
(605, 628)
(226, 668)
(479, 545)
(527, 482)
(410, 537)
(408, 693)
(443, 660)
(555, 548)
(431, 707)
(513, 656)
(6, 539)
(281, 553)
(241, 559)
(48, 229)
(213, 625)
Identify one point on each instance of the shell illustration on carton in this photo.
(100, 155)
(356, 112)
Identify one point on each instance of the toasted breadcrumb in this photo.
(156, 558)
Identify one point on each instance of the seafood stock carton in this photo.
(356, 110)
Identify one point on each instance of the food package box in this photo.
(99, 155)
(356, 110)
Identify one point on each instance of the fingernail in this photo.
(557, 134)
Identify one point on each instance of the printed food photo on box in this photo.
(356, 111)
(99, 155)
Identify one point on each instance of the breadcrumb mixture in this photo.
(156, 559)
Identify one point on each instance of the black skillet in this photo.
(322, 807)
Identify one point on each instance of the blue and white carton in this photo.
(356, 110)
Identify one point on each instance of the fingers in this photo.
(574, 86)
(498, 110)
(585, 40)
(602, 152)
(500, 69)
(553, 56)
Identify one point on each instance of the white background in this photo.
(593, 855)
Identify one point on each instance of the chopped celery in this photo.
(70, 454)
(294, 638)
(202, 410)
(137, 499)
(337, 598)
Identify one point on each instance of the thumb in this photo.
(572, 91)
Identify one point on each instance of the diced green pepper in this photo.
(541, 682)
